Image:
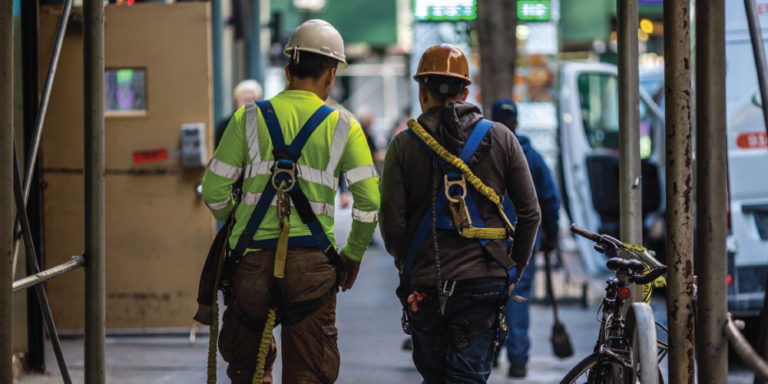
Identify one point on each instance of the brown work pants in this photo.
(310, 353)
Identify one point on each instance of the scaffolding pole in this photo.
(93, 86)
(34, 267)
(631, 220)
(679, 194)
(6, 191)
(711, 184)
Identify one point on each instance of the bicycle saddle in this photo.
(633, 266)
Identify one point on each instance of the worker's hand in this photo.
(345, 199)
(349, 273)
(512, 275)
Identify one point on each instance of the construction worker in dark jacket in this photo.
(443, 221)
(518, 314)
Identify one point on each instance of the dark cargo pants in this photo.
(310, 353)
(458, 347)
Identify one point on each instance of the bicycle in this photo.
(627, 349)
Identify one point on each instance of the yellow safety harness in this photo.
(458, 205)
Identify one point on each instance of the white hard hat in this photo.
(316, 36)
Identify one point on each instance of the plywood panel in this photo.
(157, 229)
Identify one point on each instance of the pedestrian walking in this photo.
(283, 266)
(245, 92)
(443, 222)
(516, 313)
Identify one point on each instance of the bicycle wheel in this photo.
(591, 370)
(641, 331)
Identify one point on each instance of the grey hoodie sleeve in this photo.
(521, 190)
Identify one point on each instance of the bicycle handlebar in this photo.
(604, 242)
(583, 232)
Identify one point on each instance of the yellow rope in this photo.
(478, 184)
(281, 252)
(266, 344)
(281, 249)
(660, 281)
(485, 190)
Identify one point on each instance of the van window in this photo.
(599, 103)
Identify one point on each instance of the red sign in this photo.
(762, 9)
(752, 140)
(150, 156)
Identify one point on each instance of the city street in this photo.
(370, 338)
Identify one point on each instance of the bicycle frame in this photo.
(614, 354)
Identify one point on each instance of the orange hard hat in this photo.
(443, 60)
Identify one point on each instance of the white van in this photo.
(588, 135)
(589, 161)
(747, 165)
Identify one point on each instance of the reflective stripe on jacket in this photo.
(338, 145)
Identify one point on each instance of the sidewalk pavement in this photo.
(370, 338)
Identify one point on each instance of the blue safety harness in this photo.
(284, 171)
(451, 175)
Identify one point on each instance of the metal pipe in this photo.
(758, 49)
(30, 281)
(30, 96)
(6, 193)
(32, 264)
(631, 218)
(711, 187)
(94, 167)
(679, 190)
(742, 348)
(255, 57)
(33, 146)
(217, 42)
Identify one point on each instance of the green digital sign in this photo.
(444, 10)
(534, 10)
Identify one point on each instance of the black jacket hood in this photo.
(452, 124)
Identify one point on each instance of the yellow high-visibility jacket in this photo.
(337, 145)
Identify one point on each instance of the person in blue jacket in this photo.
(518, 314)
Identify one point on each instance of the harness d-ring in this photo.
(450, 183)
(290, 183)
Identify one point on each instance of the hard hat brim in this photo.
(418, 76)
(288, 51)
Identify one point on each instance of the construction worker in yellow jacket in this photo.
(289, 151)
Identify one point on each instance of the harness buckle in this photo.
(460, 214)
(449, 184)
(283, 206)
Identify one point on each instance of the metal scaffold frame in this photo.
(14, 189)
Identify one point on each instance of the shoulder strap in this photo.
(276, 134)
(272, 124)
(474, 140)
